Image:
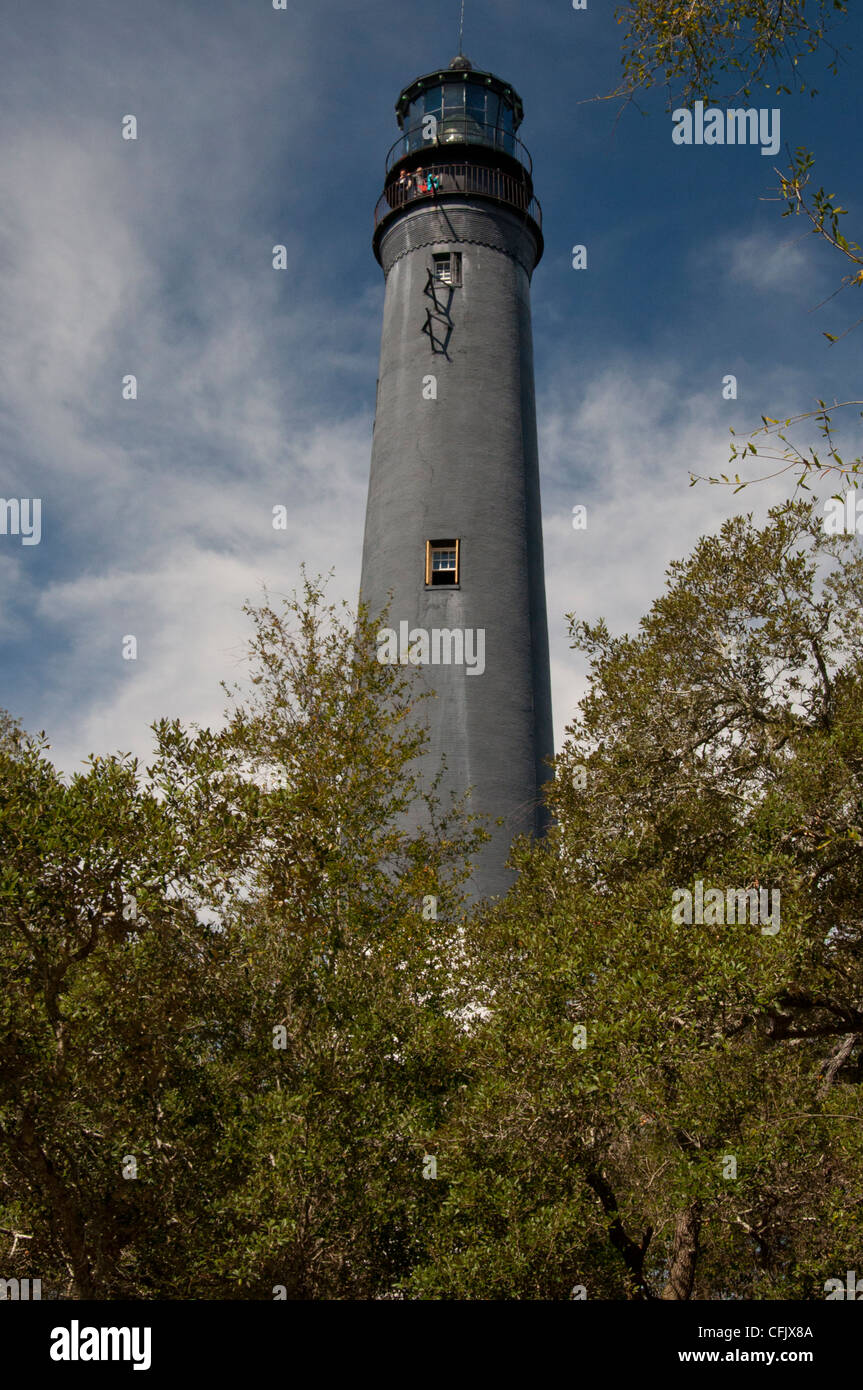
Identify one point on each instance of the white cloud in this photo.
(767, 260)
(203, 550)
(157, 513)
(625, 449)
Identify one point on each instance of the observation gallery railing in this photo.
(458, 178)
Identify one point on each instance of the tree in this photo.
(691, 48)
(11, 732)
(253, 1046)
(101, 972)
(346, 989)
(663, 1109)
(229, 1015)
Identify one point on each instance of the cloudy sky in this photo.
(256, 387)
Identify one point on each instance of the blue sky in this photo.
(256, 388)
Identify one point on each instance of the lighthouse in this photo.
(453, 534)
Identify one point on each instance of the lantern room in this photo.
(459, 106)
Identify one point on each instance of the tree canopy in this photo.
(255, 1044)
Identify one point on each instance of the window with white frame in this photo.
(446, 268)
(442, 562)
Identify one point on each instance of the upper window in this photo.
(446, 268)
(475, 104)
(442, 562)
(431, 103)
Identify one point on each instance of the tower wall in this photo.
(465, 465)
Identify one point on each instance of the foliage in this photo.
(691, 47)
(155, 929)
(722, 743)
(223, 969)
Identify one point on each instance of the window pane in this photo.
(454, 98)
(476, 104)
(447, 268)
(430, 105)
(443, 560)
